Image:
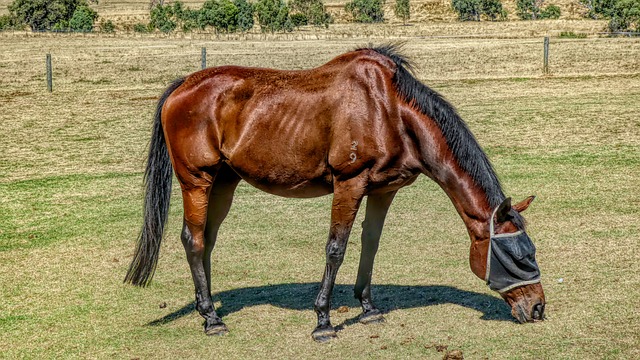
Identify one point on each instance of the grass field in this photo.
(71, 167)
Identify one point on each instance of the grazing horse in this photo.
(360, 125)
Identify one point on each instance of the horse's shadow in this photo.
(300, 296)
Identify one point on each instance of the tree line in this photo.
(228, 16)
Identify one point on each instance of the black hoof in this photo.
(216, 330)
(324, 334)
(372, 317)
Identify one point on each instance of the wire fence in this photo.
(103, 63)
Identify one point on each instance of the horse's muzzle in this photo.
(523, 315)
(538, 312)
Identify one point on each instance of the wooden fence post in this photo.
(545, 67)
(49, 74)
(203, 56)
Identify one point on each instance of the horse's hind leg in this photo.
(220, 199)
(377, 207)
(196, 199)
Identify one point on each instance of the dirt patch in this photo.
(453, 355)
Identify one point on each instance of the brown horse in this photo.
(360, 125)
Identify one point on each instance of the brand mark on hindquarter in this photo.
(354, 148)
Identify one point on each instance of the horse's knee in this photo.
(335, 252)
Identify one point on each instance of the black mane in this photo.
(460, 140)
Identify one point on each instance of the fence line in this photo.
(466, 58)
(142, 55)
(203, 62)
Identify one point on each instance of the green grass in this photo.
(71, 167)
(572, 35)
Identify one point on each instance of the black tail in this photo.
(157, 178)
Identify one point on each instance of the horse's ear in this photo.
(524, 204)
(502, 214)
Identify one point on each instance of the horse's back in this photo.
(288, 132)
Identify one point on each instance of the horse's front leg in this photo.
(377, 207)
(346, 201)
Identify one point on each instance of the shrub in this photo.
(299, 19)
(403, 10)
(313, 10)
(61, 26)
(550, 12)
(107, 26)
(572, 35)
(273, 15)
(83, 19)
(366, 11)
(141, 28)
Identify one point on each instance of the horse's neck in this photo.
(440, 164)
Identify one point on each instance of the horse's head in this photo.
(506, 261)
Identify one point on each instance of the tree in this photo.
(625, 16)
(313, 11)
(493, 9)
(528, 9)
(273, 15)
(599, 8)
(45, 14)
(10, 22)
(471, 10)
(468, 10)
(221, 14)
(366, 11)
(83, 19)
(245, 15)
(162, 18)
(532, 10)
(403, 10)
(183, 16)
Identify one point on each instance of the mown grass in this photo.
(71, 167)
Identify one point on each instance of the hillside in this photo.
(133, 11)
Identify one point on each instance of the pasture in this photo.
(71, 166)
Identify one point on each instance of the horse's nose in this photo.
(538, 312)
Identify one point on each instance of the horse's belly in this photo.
(301, 190)
(285, 182)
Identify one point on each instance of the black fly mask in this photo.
(511, 261)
